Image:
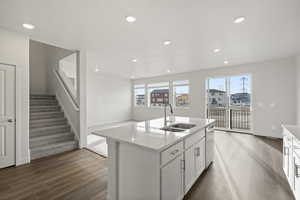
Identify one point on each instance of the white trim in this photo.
(82, 91)
(73, 127)
(227, 88)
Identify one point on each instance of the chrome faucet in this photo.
(165, 109)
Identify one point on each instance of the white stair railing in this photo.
(66, 90)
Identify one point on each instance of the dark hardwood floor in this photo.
(245, 168)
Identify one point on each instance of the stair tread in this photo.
(48, 120)
(49, 127)
(42, 95)
(52, 135)
(53, 145)
(47, 112)
(43, 106)
(32, 94)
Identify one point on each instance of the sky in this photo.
(235, 82)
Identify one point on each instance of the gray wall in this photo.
(38, 68)
(43, 58)
(273, 87)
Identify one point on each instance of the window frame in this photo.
(140, 86)
(176, 84)
(157, 85)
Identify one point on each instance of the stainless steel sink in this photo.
(183, 126)
(168, 128)
(179, 127)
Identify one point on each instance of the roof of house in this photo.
(160, 91)
(216, 91)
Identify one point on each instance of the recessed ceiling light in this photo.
(217, 50)
(226, 62)
(28, 26)
(130, 19)
(239, 20)
(134, 60)
(168, 70)
(97, 70)
(167, 42)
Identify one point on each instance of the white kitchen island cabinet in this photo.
(291, 157)
(172, 179)
(147, 163)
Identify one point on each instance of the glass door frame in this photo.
(227, 90)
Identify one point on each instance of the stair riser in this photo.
(45, 124)
(44, 153)
(46, 116)
(50, 131)
(62, 138)
(42, 103)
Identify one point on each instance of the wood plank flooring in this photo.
(245, 168)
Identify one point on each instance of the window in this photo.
(159, 93)
(139, 95)
(181, 93)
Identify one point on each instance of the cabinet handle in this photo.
(297, 170)
(174, 152)
(286, 151)
(182, 164)
(197, 151)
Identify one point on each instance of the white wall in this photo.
(14, 50)
(108, 98)
(273, 87)
(298, 88)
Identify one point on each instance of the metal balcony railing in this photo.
(232, 118)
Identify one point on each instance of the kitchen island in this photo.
(291, 157)
(149, 161)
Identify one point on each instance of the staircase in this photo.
(50, 132)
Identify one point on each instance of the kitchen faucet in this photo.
(165, 109)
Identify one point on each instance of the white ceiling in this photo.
(195, 27)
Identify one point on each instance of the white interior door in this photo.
(7, 116)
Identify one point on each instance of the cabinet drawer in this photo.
(194, 138)
(171, 153)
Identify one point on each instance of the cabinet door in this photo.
(172, 180)
(285, 156)
(291, 164)
(297, 177)
(194, 163)
(190, 168)
(199, 157)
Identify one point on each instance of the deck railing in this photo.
(232, 118)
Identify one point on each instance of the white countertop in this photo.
(294, 130)
(148, 134)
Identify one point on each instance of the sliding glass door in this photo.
(229, 101)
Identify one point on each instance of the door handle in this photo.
(10, 120)
(197, 151)
(7, 120)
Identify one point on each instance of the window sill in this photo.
(183, 108)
